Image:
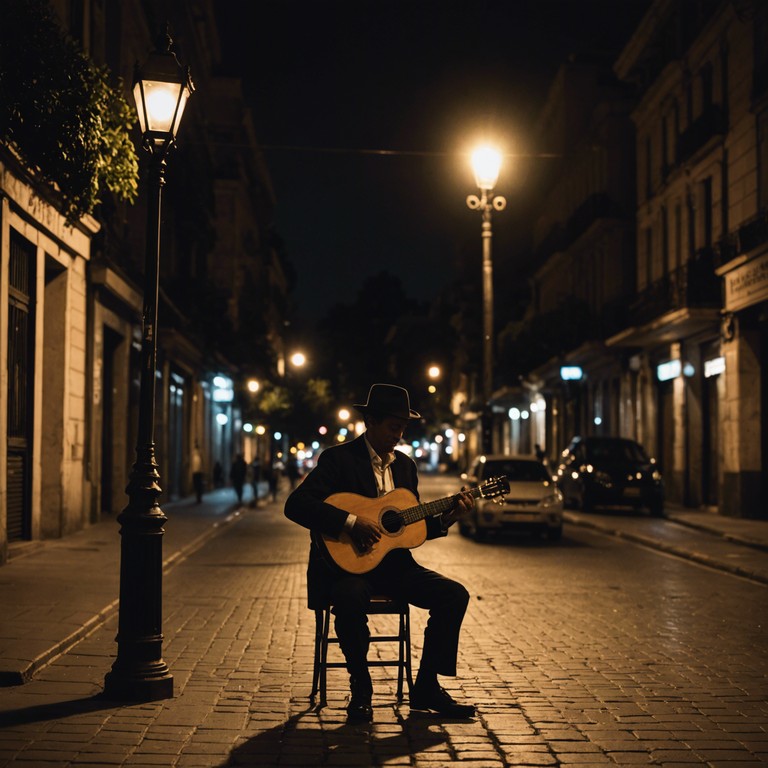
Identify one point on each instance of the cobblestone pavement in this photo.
(591, 652)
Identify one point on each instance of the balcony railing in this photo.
(692, 285)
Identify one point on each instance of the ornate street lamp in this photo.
(161, 89)
(486, 163)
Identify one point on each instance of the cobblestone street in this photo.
(594, 651)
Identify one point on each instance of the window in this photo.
(762, 160)
(648, 168)
(706, 87)
(706, 202)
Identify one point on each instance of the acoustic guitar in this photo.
(401, 518)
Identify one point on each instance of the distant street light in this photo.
(434, 372)
(253, 386)
(486, 163)
(298, 359)
(161, 90)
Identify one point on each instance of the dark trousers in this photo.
(445, 599)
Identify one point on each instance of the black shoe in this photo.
(359, 709)
(439, 700)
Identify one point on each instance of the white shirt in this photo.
(382, 472)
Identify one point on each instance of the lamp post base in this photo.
(132, 685)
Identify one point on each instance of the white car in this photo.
(533, 503)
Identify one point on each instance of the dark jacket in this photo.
(345, 468)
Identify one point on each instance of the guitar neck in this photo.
(432, 508)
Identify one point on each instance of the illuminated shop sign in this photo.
(571, 373)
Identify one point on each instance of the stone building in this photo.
(71, 297)
(698, 326)
(677, 354)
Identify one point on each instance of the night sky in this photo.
(366, 111)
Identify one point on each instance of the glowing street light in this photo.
(298, 359)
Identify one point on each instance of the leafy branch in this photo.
(60, 114)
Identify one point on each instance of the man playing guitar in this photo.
(371, 467)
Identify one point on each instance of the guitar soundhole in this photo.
(391, 521)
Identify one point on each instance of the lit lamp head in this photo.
(161, 88)
(486, 163)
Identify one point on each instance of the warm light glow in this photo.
(253, 386)
(433, 372)
(432, 389)
(486, 164)
(298, 359)
(261, 430)
(344, 414)
(159, 105)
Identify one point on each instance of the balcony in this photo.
(693, 285)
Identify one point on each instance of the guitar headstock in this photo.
(494, 487)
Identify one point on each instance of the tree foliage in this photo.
(59, 112)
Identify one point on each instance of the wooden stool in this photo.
(379, 605)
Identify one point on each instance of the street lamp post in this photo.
(486, 163)
(139, 673)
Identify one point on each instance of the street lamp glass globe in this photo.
(486, 163)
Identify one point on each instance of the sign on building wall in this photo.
(747, 284)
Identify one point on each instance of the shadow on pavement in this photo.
(55, 711)
(340, 744)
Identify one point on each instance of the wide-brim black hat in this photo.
(388, 400)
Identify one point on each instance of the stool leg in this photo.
(316, 664)
(401, 641)
(408, 672)
(324, 653)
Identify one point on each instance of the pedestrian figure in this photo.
(540, 455)
(273, 478)
(237, 475)
(292, 471)
(198, 476)
(255, 479)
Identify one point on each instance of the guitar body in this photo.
(384, 510)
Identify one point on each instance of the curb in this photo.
(661, 546)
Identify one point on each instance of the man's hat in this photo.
(388, 400)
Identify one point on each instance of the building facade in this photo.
(71, 298)
(677, 358)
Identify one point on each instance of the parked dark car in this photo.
(609, 472)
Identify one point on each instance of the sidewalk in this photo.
(56, 593)
(47, 606)
(734, 545)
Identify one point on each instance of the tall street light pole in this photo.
(486, 164)
(139, 673)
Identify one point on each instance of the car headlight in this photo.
(553, 499)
